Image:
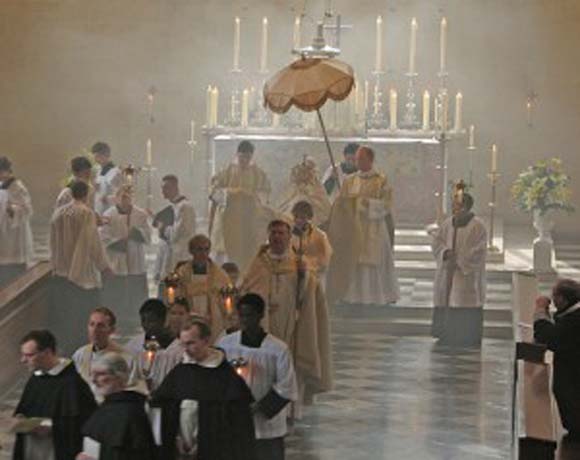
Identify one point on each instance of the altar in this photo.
(410, 163)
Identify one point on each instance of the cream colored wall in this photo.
(75, 71)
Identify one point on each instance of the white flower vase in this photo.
(543, 243)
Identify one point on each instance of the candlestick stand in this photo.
(493, 179)
(149, 169)
(378, 119)
(410, 118)
(471, 149)
(262, 117)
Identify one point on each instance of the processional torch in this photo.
(171, 282)
(230, 295)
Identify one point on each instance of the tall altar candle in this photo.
(494, 158)
(297, 33)
(413, 47)
(192, 138)
(264, 54)
(208, 106)
(376, 100)
(458, 111)
(379, 45)
(245, 107)
(443, 46)
(393, 109)
(215, 94)
(275, 120)
(426, 110)
(366, 96)
(472, 136)
(237, 43)
(149, 154)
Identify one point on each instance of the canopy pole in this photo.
(327, 142)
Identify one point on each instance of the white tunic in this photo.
(106, 186)
(76, 250)
(16, 245)
(269, 368)
(117, 228)
(175, 247)
(468, 288)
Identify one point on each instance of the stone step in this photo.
(422, 252)
(416, 327)
(501, 313)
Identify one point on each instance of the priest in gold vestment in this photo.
(200, 282)
(238, 215)
(361, 231)
(296, 310)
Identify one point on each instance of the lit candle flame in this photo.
(170, 294)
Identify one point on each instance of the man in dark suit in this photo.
(561, 334)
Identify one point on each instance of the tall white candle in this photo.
(472, 136)
(192, 137)
(236, 43)
(426, 110)
(494, 158)
(458, 112)
(264, 53)
(149, 154)
(215, 94)
(357, 99)
(379, 45)
(413, 47)
(297, 33)
(208, 106)
(245, 107)
(443, 45)
(393, 109)
(366, 96)
(275, 120)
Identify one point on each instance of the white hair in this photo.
(115, 364)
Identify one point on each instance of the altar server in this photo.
(16, 245)
(108, 178)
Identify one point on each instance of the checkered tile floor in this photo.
(402, 397)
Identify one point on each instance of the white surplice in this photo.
(468, 287)
(174, 247)
(76, 250)
(16, 245)
(106, 187)
(117, 228)
(269, 367)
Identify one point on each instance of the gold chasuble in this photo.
(241, 220)
(203, 294)
(362, 266)
(301, 321)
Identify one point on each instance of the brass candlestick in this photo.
(493, 179)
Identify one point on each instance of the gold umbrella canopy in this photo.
(307, 84)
